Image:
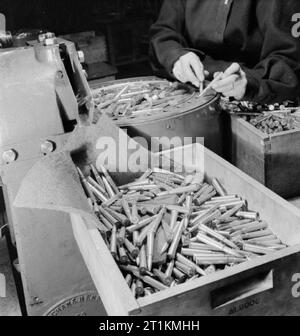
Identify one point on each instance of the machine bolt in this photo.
(50, 35)
(10, 156)
(47, 147)
(36, 301)
(59, 74)
(41, 37)
(47, 38)
(49, 41)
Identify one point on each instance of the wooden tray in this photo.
(263, 286)
(273, 160)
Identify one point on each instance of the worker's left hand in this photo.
(233, 82)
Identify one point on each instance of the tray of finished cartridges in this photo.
(270, 119)
(164, 229)
(139, 100)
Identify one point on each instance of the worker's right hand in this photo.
(189, 68)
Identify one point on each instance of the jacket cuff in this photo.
(199, 53)
(173, 57)
(252, 90)
(175, 54)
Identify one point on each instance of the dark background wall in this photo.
(67, 16)
(124, 23)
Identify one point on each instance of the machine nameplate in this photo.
(85, 304)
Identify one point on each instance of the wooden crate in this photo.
(93, 46)
(273, 160)
(264, 286)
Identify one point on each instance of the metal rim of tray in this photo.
(186, 106)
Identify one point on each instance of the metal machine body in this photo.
(197, 117)
(203, 123)
(43, 95)
(40, 87)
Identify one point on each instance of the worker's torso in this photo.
(224, 29)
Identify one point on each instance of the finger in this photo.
(176, 68)
(177, 76)
(234, 68)
(189, 74)
(229, 94)
(198, 68)
(236, 94)
(232, 91)
(216, 74)
(239, 90)
(206, 73)
(226, 82)
(178, 72)
(225, 89)
(183, 74)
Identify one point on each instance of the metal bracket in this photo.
(3, 230)
(268, 146)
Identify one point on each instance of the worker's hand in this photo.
(233, 82)
(189, 68)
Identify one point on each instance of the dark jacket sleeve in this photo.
(167, 37)
(277, 76)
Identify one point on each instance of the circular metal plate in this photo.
(84, 304)
(187, 103)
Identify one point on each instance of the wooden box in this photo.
(267, 285)
(273, 160)
(93, 46)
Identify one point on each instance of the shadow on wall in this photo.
(68, 16)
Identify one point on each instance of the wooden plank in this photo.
(195, 298)
(259, 134)
(274, 208)
(283, 218)
(272, 160)
(248, 149)
(113, 290)
(282, 171)
(284, 133)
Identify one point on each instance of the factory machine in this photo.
(169, 113)
(44, 96)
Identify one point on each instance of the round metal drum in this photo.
(185, 115)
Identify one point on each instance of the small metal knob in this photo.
(48, 147)
(49, 41)
(80, 54)
(59, 75)
(41, 37)
(50, 35)
(10, 156)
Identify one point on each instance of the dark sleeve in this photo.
(276, 77)
(167, 41)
